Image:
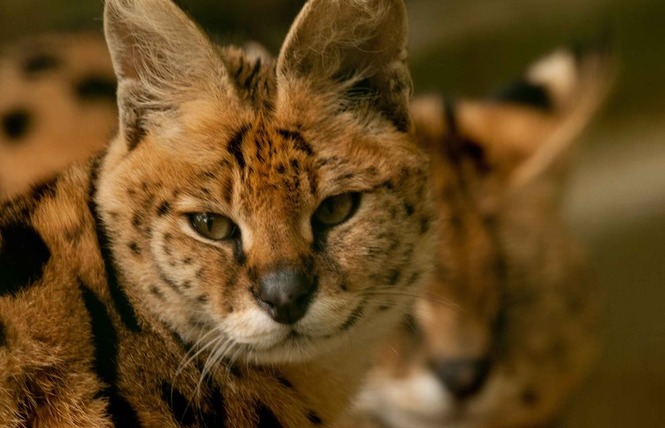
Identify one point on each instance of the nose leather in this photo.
(462, 377)
(286, 294)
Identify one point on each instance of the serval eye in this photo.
(213, 226)
(336, 209)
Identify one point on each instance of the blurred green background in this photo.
(617, 195)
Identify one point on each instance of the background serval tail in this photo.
(57, 106)
(510, 324)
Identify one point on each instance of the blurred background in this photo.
(617, 194)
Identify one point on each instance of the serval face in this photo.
(267, 210)
(509, 322)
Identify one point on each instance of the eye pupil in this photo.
(336, 209)
(213, 226)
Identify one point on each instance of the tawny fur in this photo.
(115, 312)
(512, 294)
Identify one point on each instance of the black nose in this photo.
(286, 294)
(462, 377)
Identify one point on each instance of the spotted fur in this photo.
(57, 106)
(509, 325)
(114, 311)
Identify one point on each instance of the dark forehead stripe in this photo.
(40, 63)
(525, 93)
(23, 256)
(299, 142)
(267, 418)
(235, 146)
(95, 88)
(16, 123)
(120, 300)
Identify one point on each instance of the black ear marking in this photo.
(525, 93)
(23, 256)
(16, 123)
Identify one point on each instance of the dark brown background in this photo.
(617, 198)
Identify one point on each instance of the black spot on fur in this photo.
(3, 335)
(168, 281)
(120, 299)
(105, 339)
(104, 336)
(314, 418)
(163, 209)
(122, 413)
(16, 124)
(525, 93)
(135, 248)
(235, 146)
(95, 88)
(354, 317)
(23, 256)
(285, 382)
(216, 416)
(425, 224)
(156, 292)
(394, 277)
(529, 397)
(137, 220)
(44, 190)
(40, 63)
(267, 418)
(234, 370)
(409, 209)
(181, 408)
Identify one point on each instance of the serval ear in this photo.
(523, 133)
(527, 129)
(162, 59)
(354, 47)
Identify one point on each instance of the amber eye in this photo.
(336, 209)
(213, 226)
